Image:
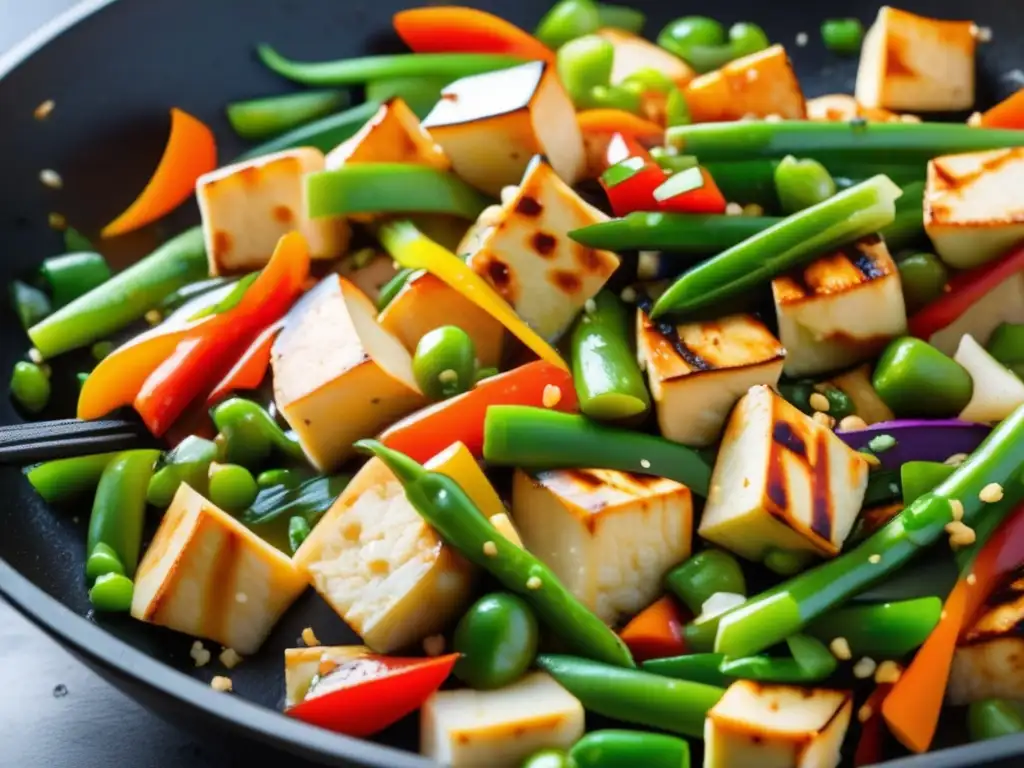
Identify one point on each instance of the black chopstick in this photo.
(64, 438)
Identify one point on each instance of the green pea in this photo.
(615, 97)
(747, 38)
(704, 574)
(568, 20)
(162, 487)
(693, 30)
(112, 593)
(923, 278)
(915, 379)
(787, 562)
(298, 530)
(549, 758)
(445, 362)
(232, 488)
(497, 638)
(842, 35)
(1006, 344)
(583, 64)
(839, 403)
(802, 183)
(30, 386)
(102, 561)
(702, 42)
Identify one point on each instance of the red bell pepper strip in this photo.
(383, 691)
(426, 433)
(965, 289)
(205, 355)
(455, 29)
(690, 191)
(657, 631)
(251, 368)
(630, 185)
(871, 744)
(1009, 113)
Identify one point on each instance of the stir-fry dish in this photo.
(578, 373)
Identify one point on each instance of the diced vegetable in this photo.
(585, 64)
(497, 640)
(273, 115)
(923, 279)
(444, 363)
(997, 391)
(30, 386)
(453, 29)
(656, 632)
(64, 479)
(620, 749)
(843, 36)
(112, 593)
(908, 367)
(567, 20)
(702, 42)
(924, 440)
(232, 487)
(190, 463)
(882, 631)
(802, 183)
(73, 275)
(119, 509)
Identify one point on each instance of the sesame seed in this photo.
(864, 713)
(852, 422)
(888, 672)
(51, 178)
(974, 120)
(490, 548)
(648, 264)
(448, 376)
(971, 579)
(35, 355)
(241, 597)
(221, 684)
(552, 395)
(534, 582)
(801, 39)
(57, 221)
(956, 460)
(628, 294)
(229, 658)
(433, 645)
(881, 443)
(981, 34)
(875, 559)
(864, 668)
(957, 509)
(309, 637)
(508, 194)
(645, 463)
(960, 535)
(153, 317)
(840, 648)
(819, 402)
(991, 493)
(872, 460)
(733, 209)
(774, 117)
(43, 110)
(590, 306)
(824, 419)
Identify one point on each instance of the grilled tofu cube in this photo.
(529, 258)
(426, 303)
(633, 54)
(490, 125)
(997, 390)
(370, 277)
(339, 376)
(697, 371)
(776, 726)
(499, 729)
(609, 537)
(974, 205)
(758, 85)
(381, 567)
(248, 207)
(301, 665)
(781, 480)
(915, 63)
(841, 309)
(207, 575)
(1003, 304)
(393, 135)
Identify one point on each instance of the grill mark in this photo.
(529, 206)
(220, 590)
(783, 435)
(821, 502)
(865, 263)
(668, 330)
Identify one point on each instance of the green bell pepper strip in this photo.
(76, 242)
(65, 479)
(632, 696)
(391, 188)
(273, 115)
(695, 667)
(1007, 343)
(908, 226)
(102, 561)
(811, 662)
(73, 275)
(609, 383)
(909, 367)
(298, 531)
(125, 297)
(628, 749)
(568, 20)
(189, 462)
(692, 233)
(536, 438)
(919, 477)
(31, 305)
(419, 93)
(621, 17)
(851, 214)
(447, 508)
(992, 718)
(323, 134)
(883, 631)
(251, 434)
(187, 293)
(704, 574)
(308, 500)
(785, 609)
(362, 70)
(119, 509)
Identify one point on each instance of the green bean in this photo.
(786, 562)
(907, 228)
(112, 593)
(119, 508)
(583, 64)
(30, 304)
(883, 631)
(298, 530)
(568, 20)
(811, 662)
(323, 134)
(801, 184)
(189, 463)
(63, 479)
(273, 115)
(627, 749)
(695, 667)
(703, 575)
(445, 362)
(74, 274)
(675, 232)
(842, 35)
(232, 487)
(30, 386)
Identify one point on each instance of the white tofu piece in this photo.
(857, 386)
(249, 206)
(393, 135)
(369, 278)
(974, 205)
(841, 309)
(499, 729)
(207, 575)
(490, 125)
(530, 259)
(916, 63)
(1003, 304)
(997, 390)
(339, 376)
(608, 536)
(301, 665)
(761, 84)
(633, 54)
(697, 371)
(781, 480)
(776, 726)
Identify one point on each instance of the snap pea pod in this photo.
(992, 718)
(419, 93)
(251, 435)
(74, 274)
(31, 305)
(883, 631)
(907, 367)
(119, 509)
(112, 593)
(695, 667)
(627, 749)
(101, 561)
(691, 233)
(189, 463)
(703, 575)
(323, 134)
(446, 507)
(703, 44)
(64, 479)
(273, 115)
(811, 662)
(919, 477)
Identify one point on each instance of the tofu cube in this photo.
(301, 665)
(633, 54)
(997, 390)
(697, 371)
(776, 726)
(248, 207)
(911, 62)
(528, 256)
(501, 728)
(393, 135)
(207, 575)
(608, 536)
(1003, 304)
(758, 85)
(339, 376)
(974, 205)
(426, 303)
(490, 125)
(370, 277)
(841, 309)
(781, 480)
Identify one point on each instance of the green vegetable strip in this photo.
(628, 749)
(678, 232)
(537, 438)
(308, 500)
(362, 70)
(992, 718)
(260, 118)
(125, 297)
(811, 662)
(119, 509)
(66, 478)
(251, 434)
(393, 287)
(695, 667)
(883, 631)
(191, 291)
(419, 93)
(323, 134)
(919, 477)
(908, 226)
(73, 275)
(391, 188)
(708, 572)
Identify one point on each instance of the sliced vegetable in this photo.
(112, 593)
(30, 386)
(189, 462)
(630, 185)
(284, 478)
(811, 662)
(273, 115)
(585, 64)
(567, 20)
(703, 44)
(497, 640)
(843, 35)
(102, 561)
(324, 134)
(419, 93)
(251, 369)
(621, 17)
(908, 367)
(611, 121)
(992, 718)
(695, 667)
(1009, 113)
(119, 509)
(703, 575)
(625, 749)
(192, 292)
(308, 500)
(883, 631)
(298, 531)
(674, 232)
(923, 278)
(64, 479)
(445, 362)
(232, 488)
(31, 305)
(690, 191)
(1007, 344)
(251, 434)
(908, 226)
(920, 477)
(931, 440)
(456, 29)
(656, 632)
(800, 184)
(73, 275)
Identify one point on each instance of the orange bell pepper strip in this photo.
(456, 29)
(1008, 113)
(251, 368)
(191, 151)
(428, 432)
(657, 631)
(871, 744)
(592, 121)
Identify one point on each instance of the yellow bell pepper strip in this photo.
(413, 250)
(191, 151)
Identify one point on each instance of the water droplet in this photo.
(60, 691)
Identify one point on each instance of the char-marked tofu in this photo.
(776, 726)
(697, 371)
(856, 384)
(916, 63)
(425, 303)
(840, 309)
(974, 205)
(634, 54)
(757, 85)
(490, 125)
(1002, 304)
(528, 256)
(608, 536)
(501, 728)
(781, 480)
(997, 390)
(207, 575)
(339, 376)
(301, 665)
(248, 207)
(393, 135)
(381, 567)
(371, 277)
